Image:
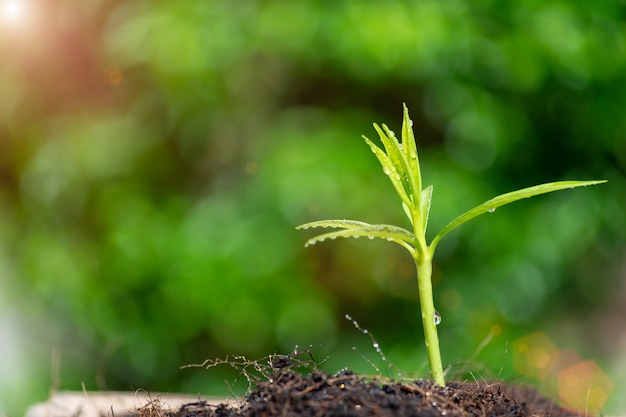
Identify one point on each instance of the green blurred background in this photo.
(155, 157)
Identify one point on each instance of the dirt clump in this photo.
(288, 393)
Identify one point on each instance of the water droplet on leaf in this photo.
(491, 210)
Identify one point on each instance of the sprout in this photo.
(400, 163)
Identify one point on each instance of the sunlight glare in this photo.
(12, 10)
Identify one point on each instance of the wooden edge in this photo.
(111, 403)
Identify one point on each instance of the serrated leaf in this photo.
(336, 224)
(371, 231)
(407, 211)
(409, 148)
(390, 170)
(427, 195)
(392, 147)
(501, 200)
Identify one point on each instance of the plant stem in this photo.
(427, 306)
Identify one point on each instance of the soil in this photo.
(288, 393)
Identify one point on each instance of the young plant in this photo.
(400, 163)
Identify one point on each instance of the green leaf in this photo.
(336, 224)
(390, 170)
(427, 195)
(410, 152)
(392, 147)
(407, 211)
(491, 205)
(371, 231)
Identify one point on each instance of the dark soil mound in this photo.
(288, 394)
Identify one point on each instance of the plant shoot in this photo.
(400, 162)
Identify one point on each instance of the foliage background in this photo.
(155, 157)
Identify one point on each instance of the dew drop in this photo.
(387, 171)
(410, 122)
(389, 238)
(370, 237)
(436, 318)
(491, 210)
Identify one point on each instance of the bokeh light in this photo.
(584, 386)
(581, 384)
(535, 355)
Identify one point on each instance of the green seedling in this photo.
(400, 163)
